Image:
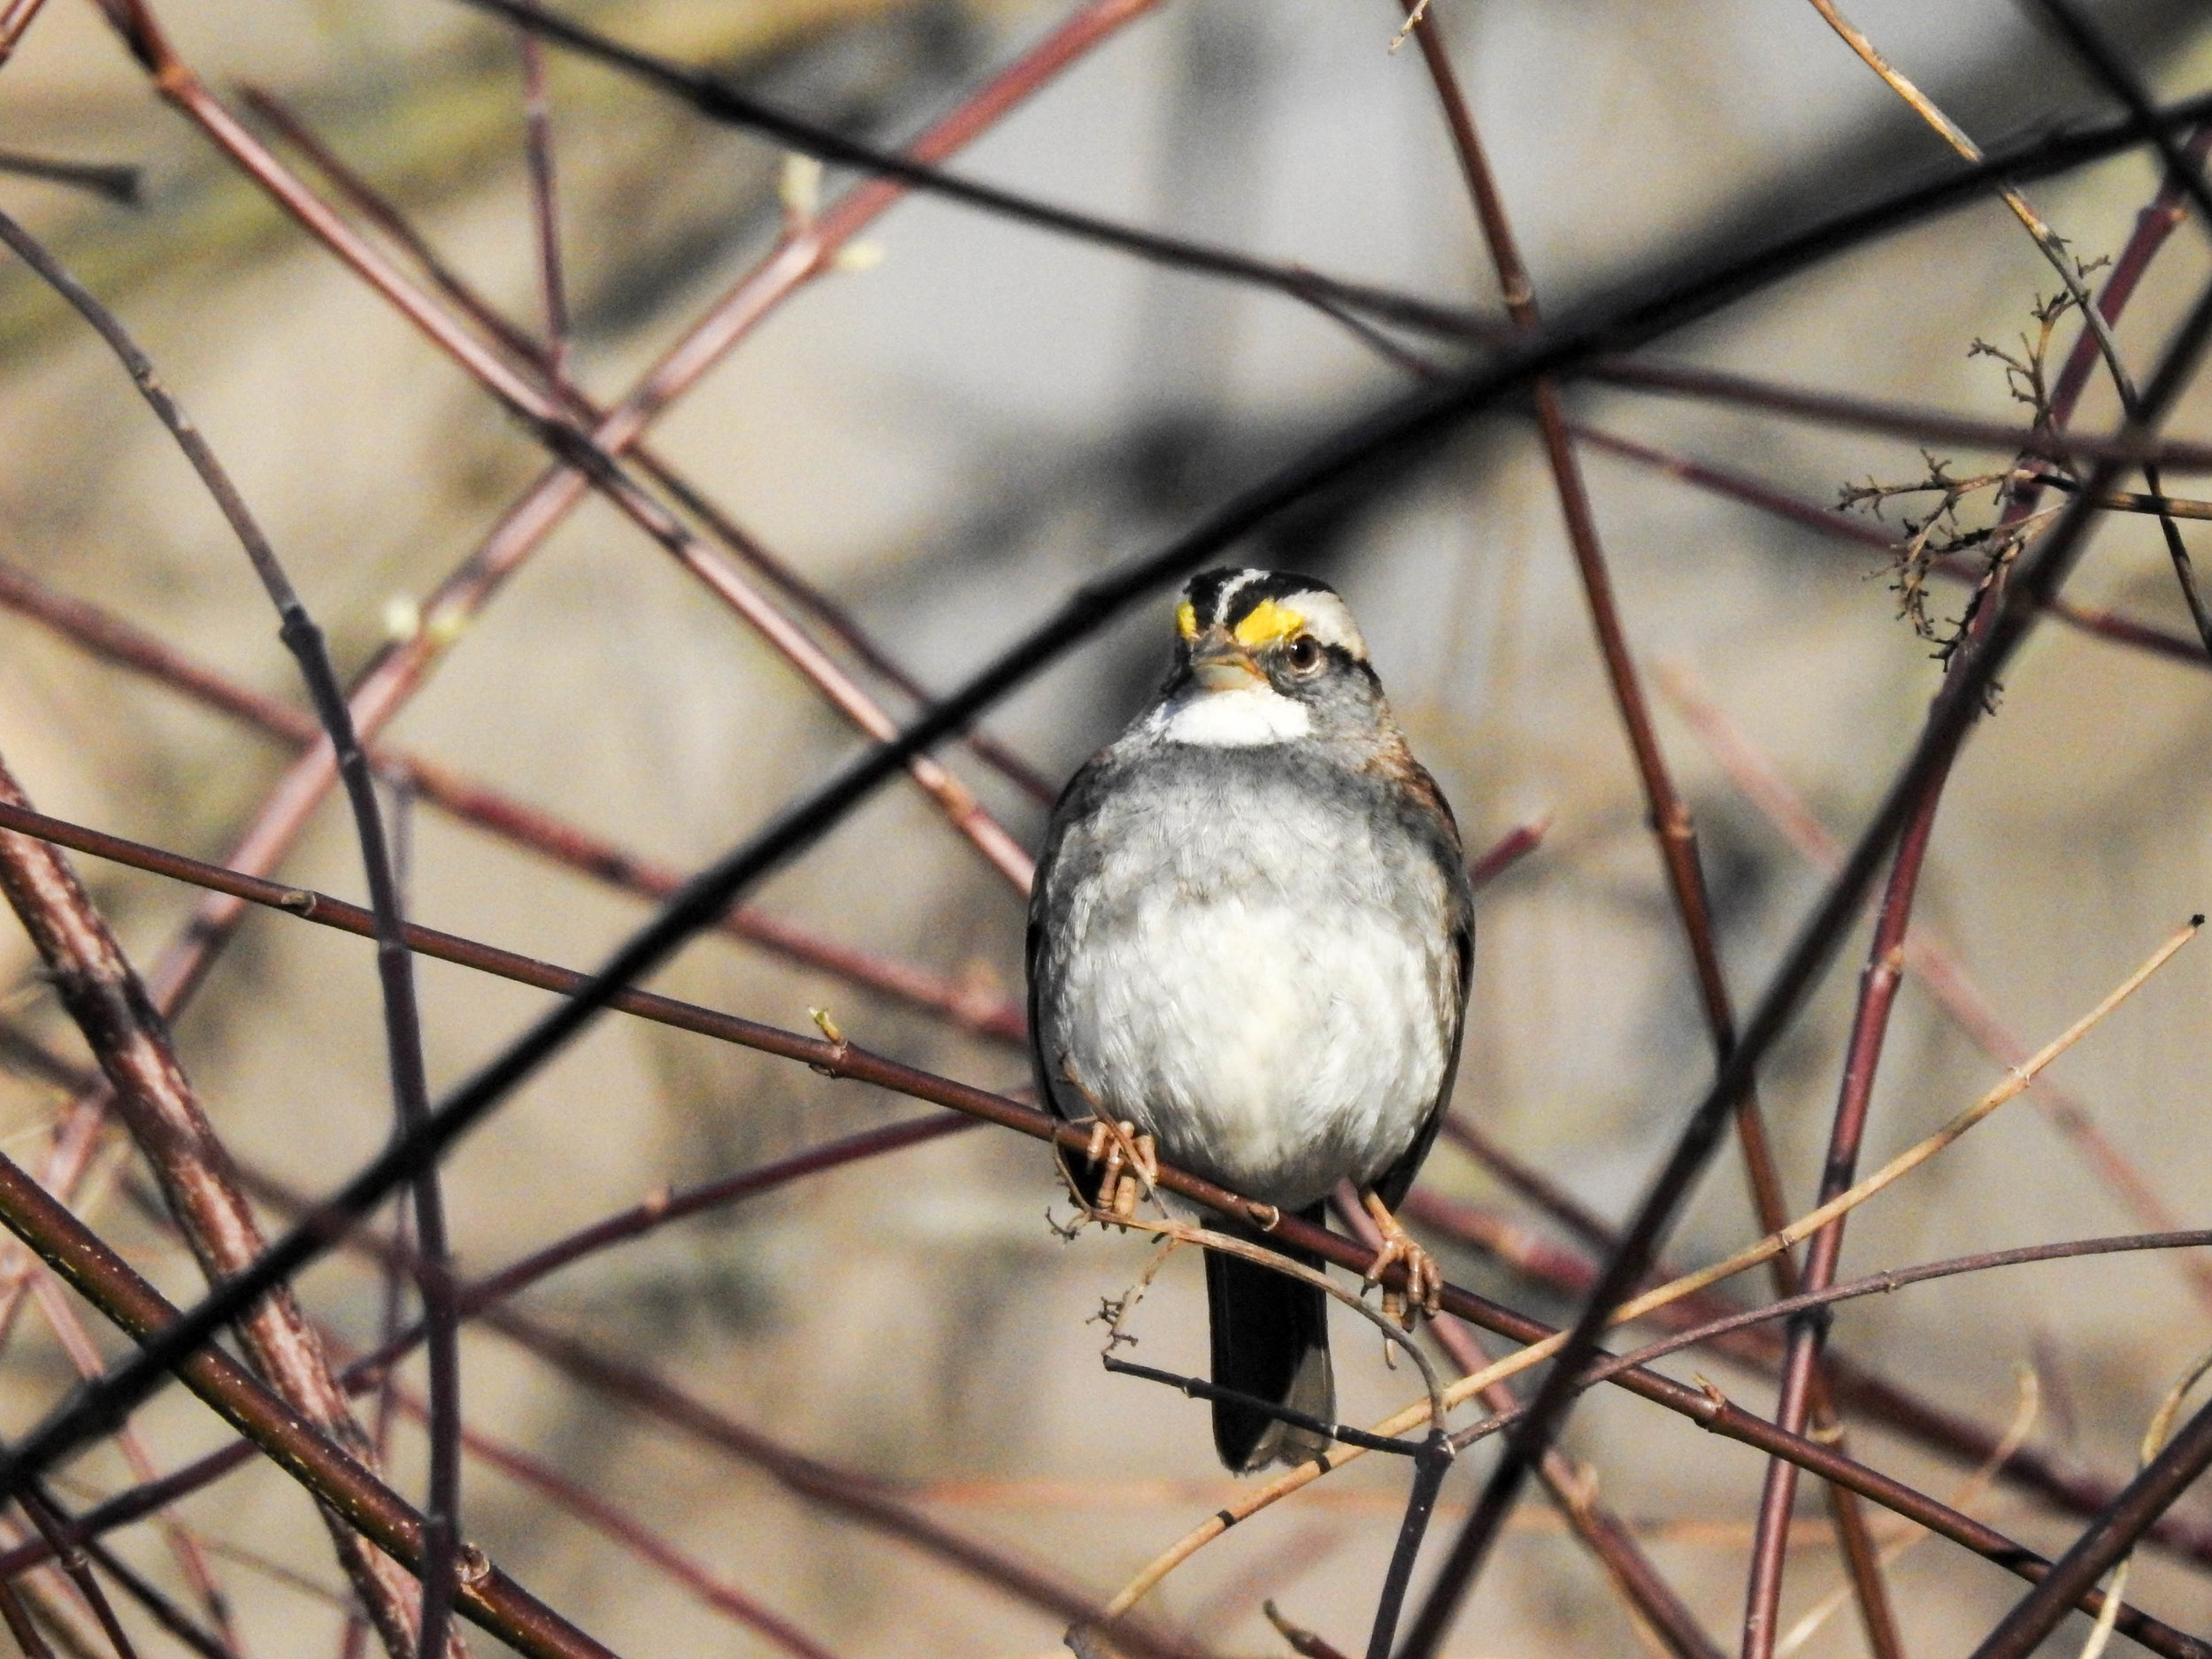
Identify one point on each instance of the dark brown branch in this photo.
(2038, 577)
(1715, 1331)
(295, 1442)
(116, 183)
(635, 1537)
(1735, 487)
(2184, 173)
(402, 1021)
(113, 639)
(1897, 420)
(1899, 1277)
(2128, 501)
(2099, 1548)
(356, 193)
(1954, 1437)
(106, 997)
(720, 99)
(28, 1635)
(46, 1517)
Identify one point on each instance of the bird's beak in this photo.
(1217, 663)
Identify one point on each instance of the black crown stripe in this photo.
(1205, 592)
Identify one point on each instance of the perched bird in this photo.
(1249, 939)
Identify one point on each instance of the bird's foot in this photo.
(1424, 1281)
(1128, 1166)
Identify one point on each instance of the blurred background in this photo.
(947, 433)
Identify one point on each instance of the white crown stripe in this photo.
(1230, 589)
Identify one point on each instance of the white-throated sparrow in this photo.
(1251, 937)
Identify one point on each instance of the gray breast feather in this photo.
(1274, 995)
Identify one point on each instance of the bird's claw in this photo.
(1128, 1166)
(1424, 1288)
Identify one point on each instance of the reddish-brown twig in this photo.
(364, 199)
(537, 127)
(1927, 955)
(1670, 816)
(356, 1499)
(633, 1536)
(103, 994)
(1878, 992)
(402, 1023)
(14, 21)
(2154, 224)
(1954, 1436)
(1897, 420)
(1649, 1596)
(664, 1207)
(1508, 850)
(975, 1008)
(191, 1558)
(1712, 1330)
(1723, 481)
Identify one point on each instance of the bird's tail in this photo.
(1271, 1339)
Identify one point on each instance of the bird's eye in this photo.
(1303, 654)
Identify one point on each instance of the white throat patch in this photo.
(1242, 719)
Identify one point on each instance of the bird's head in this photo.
(1266, 657)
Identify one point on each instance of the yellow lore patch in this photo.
(1187, 621)
(1268, 623)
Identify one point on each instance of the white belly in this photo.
(1274, 1046)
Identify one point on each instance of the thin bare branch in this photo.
(634, 1537)
(971, 1006)
(1908, 802)
(402, 1021)
(105, 996)
(1907, 1415)
(298, 1444)
(106, 179)
(1936, 965)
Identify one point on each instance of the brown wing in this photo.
(1397, 1180)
